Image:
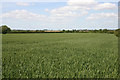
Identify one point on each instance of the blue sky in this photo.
(72, 14)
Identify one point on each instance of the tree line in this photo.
(5, 29)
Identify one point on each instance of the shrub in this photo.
(4, 29)
(117, 32)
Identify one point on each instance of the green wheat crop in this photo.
(59, 55)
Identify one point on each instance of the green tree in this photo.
(95, 31)
(117, 32)
(100, 30)
(105, 30)
(63, 30)
(4, 29)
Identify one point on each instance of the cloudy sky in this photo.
(56, 15)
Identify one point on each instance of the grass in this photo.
(60, 55)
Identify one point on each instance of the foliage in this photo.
(105, 30)
(117, 32)
(4, 29)
(84, 55)
(64, 31)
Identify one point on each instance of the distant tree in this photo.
(95, 31)
(0, 30)
(111, 32)
(117, 32)
(74, 31)
(63, 30)
(4, 29)
(100, 30)
(105, 30)
(67, 31)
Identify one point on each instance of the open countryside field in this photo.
(58, 55)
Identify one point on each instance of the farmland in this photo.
(58, 55)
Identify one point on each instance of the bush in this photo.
(117, 32)
(4, 29)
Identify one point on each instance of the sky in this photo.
(59, 15)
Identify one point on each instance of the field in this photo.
(58, 55)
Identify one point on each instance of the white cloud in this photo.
(53, 0)
(22, 3)
(30, 16)
(77, 8)
(73, 13)
(105, 6)
(81, 2)
(47, 10)
(68, 11)
(73, 10)
(91, 4)
(102, 16)
(23, 14)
